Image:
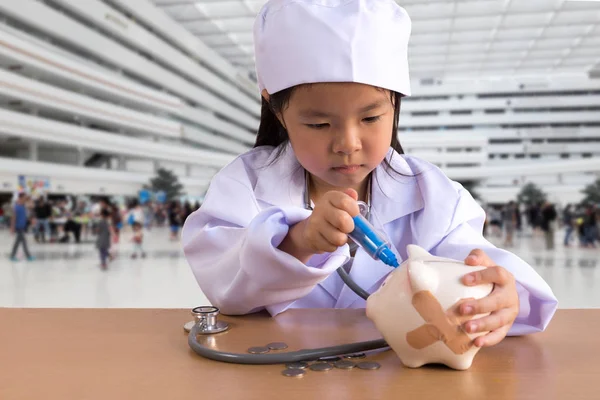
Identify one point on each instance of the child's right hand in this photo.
(331, 221)
(326, 229)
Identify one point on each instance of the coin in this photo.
(353, 356)
(293, 372)
(188, 326)
(329, 359)
(344, 364)
(368, 365)
(277, 346)
(321, 366)
(298, 365)
(258, 350)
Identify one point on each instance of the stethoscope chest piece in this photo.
(206, 319)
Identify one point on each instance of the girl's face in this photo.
(340, 132)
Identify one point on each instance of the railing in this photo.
(45, 96)
(45, 130)
(134, 34)
(58, 25)
(51, 65)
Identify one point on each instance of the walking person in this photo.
(548, 216)
(568, 221)
(117, 222)
(138, 240)
(590, 227)
(495, 217)
(510, 223)
(19, 228)
(43, 212)
(103, 238)
(174, 219)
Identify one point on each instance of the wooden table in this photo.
(143, 354)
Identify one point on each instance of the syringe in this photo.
(365, 236)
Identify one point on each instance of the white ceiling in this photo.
(450, 38)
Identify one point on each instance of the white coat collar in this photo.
(281, 183)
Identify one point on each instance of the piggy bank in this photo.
(417, 310)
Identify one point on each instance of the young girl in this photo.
(274, 224)
(138, 239)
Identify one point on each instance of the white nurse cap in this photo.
(310, 41)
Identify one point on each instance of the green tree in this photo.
(531, 194)
(592, 193)
(166, 181)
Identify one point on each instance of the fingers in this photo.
(496, 275)
(494, 321)
(484, 305)
(334, 236)
(325, 245)
(478, 258)
(326, 238)
(352, 193)
(492, 338)
(340, 220)
(344, 202)
(501, 297)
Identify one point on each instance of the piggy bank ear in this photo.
(423, 276)
(418, 253)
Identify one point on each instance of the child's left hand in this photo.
(502, 303)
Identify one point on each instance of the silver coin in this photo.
(368, 365)
(188, 326)
(354, 356)
(329, 359)
(321, 366)
(293, 372)
(277, 346)
(344, 364)
(258, 350)
(298, 365)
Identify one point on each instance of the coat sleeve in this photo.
(537, 302)
(231, 246)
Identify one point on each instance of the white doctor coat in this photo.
(231, 241)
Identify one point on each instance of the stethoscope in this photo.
(206, 321)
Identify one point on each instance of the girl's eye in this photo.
(317, 126)
(371, 119)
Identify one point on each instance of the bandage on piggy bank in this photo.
(417, 310)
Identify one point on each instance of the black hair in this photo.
(136, 224)
(105, 213)
(272, 133)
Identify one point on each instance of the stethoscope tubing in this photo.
(281, 358)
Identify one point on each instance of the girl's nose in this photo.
(347, 142)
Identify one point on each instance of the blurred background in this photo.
(132, 106)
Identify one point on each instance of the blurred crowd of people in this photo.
(580, 223)
(70, 219)
(101, 220)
